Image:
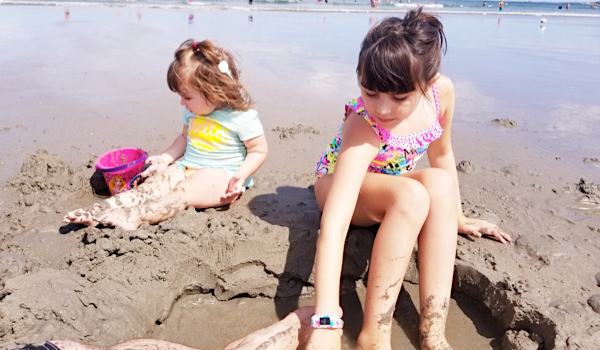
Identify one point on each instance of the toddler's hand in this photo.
(234, 189)
(478, 228)
(157, 164)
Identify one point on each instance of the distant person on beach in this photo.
(222, 143)
(484, 4)
(500, 5)
(366, 177)
(291, 333)
(568, 6)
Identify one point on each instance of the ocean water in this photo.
(345, 6)
(108, 62)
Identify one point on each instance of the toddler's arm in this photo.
(162, 161)
(257, 149)
(441, 155)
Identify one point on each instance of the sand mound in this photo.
(49, 174)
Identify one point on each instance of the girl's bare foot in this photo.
(433, 325)
(434, 343)
(80, 216)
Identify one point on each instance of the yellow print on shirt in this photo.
(205, 134)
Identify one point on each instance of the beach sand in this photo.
(77, 87)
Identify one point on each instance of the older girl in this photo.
(365, 177)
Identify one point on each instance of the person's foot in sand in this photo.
(288, 334)
(432, 326)
(291, 333)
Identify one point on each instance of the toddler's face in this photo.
(390, 109)
(195, 101)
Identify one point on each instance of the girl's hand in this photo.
(157, 164)
(478, 228)
(234, 189)
(324, 339)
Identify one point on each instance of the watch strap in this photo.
(326, 321)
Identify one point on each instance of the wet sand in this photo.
(79, 87)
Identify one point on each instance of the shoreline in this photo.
(260, 8)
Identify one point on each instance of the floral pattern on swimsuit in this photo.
(397, 154)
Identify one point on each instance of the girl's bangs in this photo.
(385, 73)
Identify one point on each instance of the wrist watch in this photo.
(326, 321)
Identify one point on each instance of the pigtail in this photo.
(200, 64)
(417, 17)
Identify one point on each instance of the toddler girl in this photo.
(222, 144)
(364, 178)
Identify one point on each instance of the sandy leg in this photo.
(105, 212)
(433, 324)
(152, 212)
(437, 251)
(291, 333)
(203, 189)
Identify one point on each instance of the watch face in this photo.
(324, 321)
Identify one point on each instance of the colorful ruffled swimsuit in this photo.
(397, 154)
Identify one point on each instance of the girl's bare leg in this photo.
(203, 189)
(420, 203)
(437, 251)
(400, 205)
(154, 187)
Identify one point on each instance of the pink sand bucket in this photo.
(120, 166)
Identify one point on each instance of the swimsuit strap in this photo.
(436, 97)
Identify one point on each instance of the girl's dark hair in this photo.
(196, 65)
(400, 55)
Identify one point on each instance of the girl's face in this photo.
(390, 109)
(195, 101)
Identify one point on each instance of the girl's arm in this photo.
(256, 149)
(176, 150)
(359, 146)
(441, 155)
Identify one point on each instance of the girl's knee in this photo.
(411, 198)
(440, 185)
